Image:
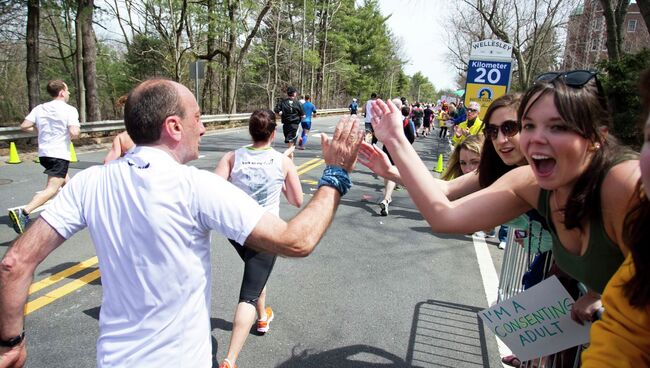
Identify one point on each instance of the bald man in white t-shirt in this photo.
(150, 217)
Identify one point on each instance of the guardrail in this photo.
(14, 133)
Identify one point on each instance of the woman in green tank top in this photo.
(578, 177)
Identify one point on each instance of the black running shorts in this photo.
(257, 269)
(290, 131)
(56, 167)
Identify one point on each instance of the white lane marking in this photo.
(490, 282)
(201, 156)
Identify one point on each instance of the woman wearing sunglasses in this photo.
(497, 157)
(579, 179)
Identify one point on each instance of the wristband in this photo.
(337, 178)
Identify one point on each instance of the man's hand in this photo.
(13, 357)
(387, 121)
(343, 148)
(585, 307)
(374, 159)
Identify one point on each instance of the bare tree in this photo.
(89, 52)
(614, 12)
(531, 26)
(31, 70)
(232, 53)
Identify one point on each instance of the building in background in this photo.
(586, 41)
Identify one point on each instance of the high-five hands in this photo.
(387, 121)
(375, 159)
(343, 148)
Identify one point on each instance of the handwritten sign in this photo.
(537, 322)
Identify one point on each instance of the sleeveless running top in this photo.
(602, 257)
(259, 173)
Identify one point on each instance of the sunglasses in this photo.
(472, 110)
(574, 78)
(509, 128)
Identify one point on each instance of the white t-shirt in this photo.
(368, 111)
(150, 219)
(52, 120)
(260, 173)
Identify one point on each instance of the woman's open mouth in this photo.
(543, 164)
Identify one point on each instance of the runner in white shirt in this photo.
(150, 218)
(367, 112)
(56, 122)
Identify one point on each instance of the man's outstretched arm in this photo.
(16, 274)
(298, 237)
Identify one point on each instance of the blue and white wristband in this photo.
(337, 178)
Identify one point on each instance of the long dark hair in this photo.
(492, 166)
(585, 111)
(637, 231)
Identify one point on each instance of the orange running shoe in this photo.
(263, 326)
(227, 364)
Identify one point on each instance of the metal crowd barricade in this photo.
(516, 262)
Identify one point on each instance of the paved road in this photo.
(377, 292)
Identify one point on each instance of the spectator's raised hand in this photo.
(387, 121)
(375, 159)
(343, 148)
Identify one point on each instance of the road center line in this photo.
(63, 274)
(53, 295)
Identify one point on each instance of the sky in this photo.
(419, 25)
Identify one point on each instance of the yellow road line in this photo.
(63, 274)
(307, 163)
(48, 298)
(307, 168)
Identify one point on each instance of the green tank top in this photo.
(602, 258)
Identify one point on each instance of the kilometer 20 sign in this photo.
(486, 81)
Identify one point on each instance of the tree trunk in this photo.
(208, 86)
(85, 13)
(81, 88)
(302, 47)
(322, 50)
(276, 51)
(236, 61)
(31, 70)
(614, 12)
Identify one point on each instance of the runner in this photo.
(150, 218)
(291, 112)
(367, 112)
(56, 123)
(309, 109)
(353, 107)
(263, 173)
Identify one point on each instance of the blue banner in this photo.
(489, 72)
